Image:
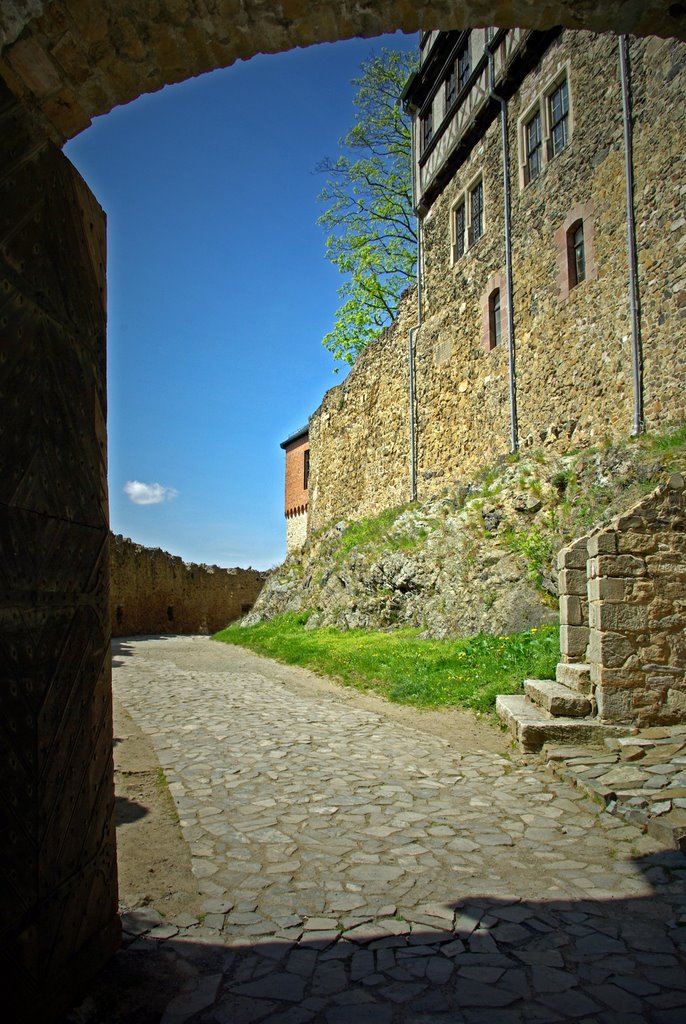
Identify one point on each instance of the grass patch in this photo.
(382, 532)
(405, 668)
(669, 441)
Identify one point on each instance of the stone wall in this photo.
(573, 598)
(155, 592)
(296, 531)
(360, 434)
(637, 610)
(58, 923)
(573, 356)
(573, 359)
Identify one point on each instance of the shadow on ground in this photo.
(474, 959)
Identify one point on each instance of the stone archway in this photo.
(63, 62)
(70, 60)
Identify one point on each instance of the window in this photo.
(464, 66)
(576, 254)
(493, 309)
(545, 129)
(450, 88)
(494, 318)
(533, 145)
(558, 116)
(467, 220)
(575, 244)
(306, 468)
(459, 225)
(427, 123)
(476, 212)
(458, 76)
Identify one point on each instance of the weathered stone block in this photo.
(606, 588)
(619, 617)
(572, 581)
(636, 543)
(602, 544)
(571, 613)
(617, 678)
(618, 565)
(614, 705)
(573, 641)
(628, 522)
(573, 557)
(610, 649)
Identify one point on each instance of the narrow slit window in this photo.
(306, 469)
(494, 318)
(459, 225)
(576, 253)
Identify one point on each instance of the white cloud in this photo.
(148, 494)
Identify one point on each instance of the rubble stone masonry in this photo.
(360, 434)
(155, 592)
(573, 357)
(637, 610)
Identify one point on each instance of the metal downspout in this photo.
(511, 367)
(410, 344)
(636, 361)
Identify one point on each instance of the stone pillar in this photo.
(58, 913)
(574, 634)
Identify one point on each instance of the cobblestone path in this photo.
(357, 871)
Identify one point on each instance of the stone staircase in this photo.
(560, 710)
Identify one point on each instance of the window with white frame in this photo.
(558, 118)
(459, 230)
(545, 129)
(476, 212)
(467, 219)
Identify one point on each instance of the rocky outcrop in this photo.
(478, 559)
(154, 592)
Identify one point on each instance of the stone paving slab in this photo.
(360, 870)
(640, 776)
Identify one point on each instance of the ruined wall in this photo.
(572, 582)
(637, 610)
(155, 592)
(360, 434)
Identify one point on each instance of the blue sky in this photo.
(218, 293)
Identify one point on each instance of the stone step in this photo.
(531, 726)
(557, 699)
(575, 675)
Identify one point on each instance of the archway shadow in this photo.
(127, 811)
(122, 646)
(476, 959)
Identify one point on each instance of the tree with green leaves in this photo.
(368, 199)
